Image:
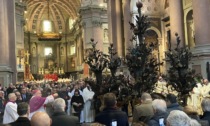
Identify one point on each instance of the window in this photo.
(47, 26)
(72, 50)
(47, 51)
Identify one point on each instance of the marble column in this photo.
(115, 25)
(201, 15)
(127, 17)
(176, 21)
(7, 42)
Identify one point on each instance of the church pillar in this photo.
(201, 17)
(115, 25)
(126, 19)
(93, 16)
(176, 21)
(7, 42)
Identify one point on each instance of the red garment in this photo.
(36, 102)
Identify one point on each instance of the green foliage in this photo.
(180, 76)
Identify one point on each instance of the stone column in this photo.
(115, 24)
(7, 42)
(176, 21)
(201, 15)
(127, 18)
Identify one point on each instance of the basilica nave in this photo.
(41, 38)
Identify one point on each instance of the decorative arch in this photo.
(156, 30)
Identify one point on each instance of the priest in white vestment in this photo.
(37, 102)
(195, 98)
(10, 112)
(89, 114)
(205, 89)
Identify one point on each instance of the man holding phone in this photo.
(110, 116)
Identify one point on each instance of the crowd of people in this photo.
(72, 103)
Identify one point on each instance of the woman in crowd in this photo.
(77, 103)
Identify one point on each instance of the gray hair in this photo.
(146, 96)
(194, 122)
(159, 105)
(11, 96)
(59, 104)
(206, 104)
(178, 118)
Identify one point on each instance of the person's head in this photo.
(170, 99)
(12, 97)
(178, 118)
(18, 94)
(23, 109)
(206, 104)
(109, 100)
(59, 105)
(23, 90)
(40, 119)
(76, 92)
(190, 110)
(159, 105)
(205, 81)
(145, 97)
(1, 94)
(37, 92)
(11, 85)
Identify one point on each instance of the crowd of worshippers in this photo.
(63, 104)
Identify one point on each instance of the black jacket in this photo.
(62, 119)
(154, 121)
(109, 115)
(206, 116)
(21, 121)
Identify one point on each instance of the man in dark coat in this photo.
(110, 115)
(206, 108)
(23, 112)
(60, 118)
(25, 96)
(172, 103)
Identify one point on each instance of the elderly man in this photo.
(178, 118)
(160, 113)
(37, 102)
(110, 116)
(144, 111)
(172, 103)
(40, 119)
(59, 117)
(10, 112)
(23, 112)
(206, 109)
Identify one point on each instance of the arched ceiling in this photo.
(59, 12)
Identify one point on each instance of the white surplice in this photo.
(10, 113)
(89, 114)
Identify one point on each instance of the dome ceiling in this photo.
(58, 11)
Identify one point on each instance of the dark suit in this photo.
(21, 121)
(206, 116)
(62, 119)
(108, 115)
(26, 97)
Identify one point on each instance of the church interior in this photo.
(41, 38)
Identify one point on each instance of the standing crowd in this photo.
(63, 104)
